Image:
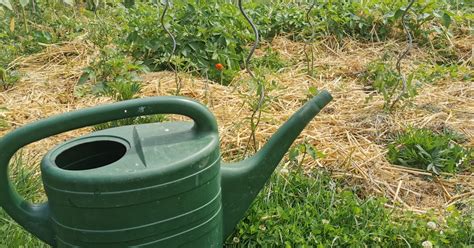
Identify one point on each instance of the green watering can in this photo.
(149, 185)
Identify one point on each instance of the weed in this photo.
(437, 73)
(114, 73)
(131, 121)
(270, 60)
(303, 149)
(312, 91)
(121, 90)
(296, 210)
(383, 78)
(116, 76)
(425, 149)
(257, 103)
(8, 78)
(26, 181)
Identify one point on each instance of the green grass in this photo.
(26, 181)
(296, 210)
(426, 149)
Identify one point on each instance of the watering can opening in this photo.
(91, 153)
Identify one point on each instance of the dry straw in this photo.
(350, 131)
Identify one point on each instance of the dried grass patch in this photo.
(350, 131)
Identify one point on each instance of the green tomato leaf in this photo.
(3, 73)
(7, 4)
(69, 2)
(302, 148)
(446, 20)
(84, 78)
(215, 55)
(293, 154)
(24, 3)
(313, 90)
(311, 151)
(398, 14)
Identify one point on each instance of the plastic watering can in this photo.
(149, 185)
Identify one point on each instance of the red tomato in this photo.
(219, 67)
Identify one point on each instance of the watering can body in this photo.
(153, 185)
(148, 185)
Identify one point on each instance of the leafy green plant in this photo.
(434, 152)
(257, 103)
(303, 149)
(27, 25)
(436, 73)
(212, 32)
(312, 91)
(281, 17)
(270, 60)
(8, 78)
(384, 79)
(121, 91)
(117, 76)
(297, 210)
(206, 34)
(105, 28)
(110, 71)
(6, 4)
(26, 181)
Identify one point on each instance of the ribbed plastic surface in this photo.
(154, 185)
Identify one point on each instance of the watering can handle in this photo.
(36, 217)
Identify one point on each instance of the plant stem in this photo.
(25, 22)
(403, 55)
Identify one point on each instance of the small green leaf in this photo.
(398, 14)
(24, 3)
(215, 55)
(302, 148)
(312, 151)
(7, 4)
(3, 74)
(84, 78)
(446, 20)
(313, 90)
(69, 2)
(195, 46)
(293, 154)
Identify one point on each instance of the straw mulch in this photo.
(350, 131)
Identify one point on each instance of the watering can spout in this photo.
(242, 181)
